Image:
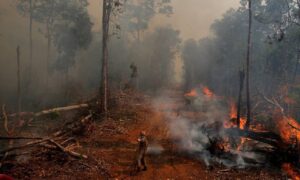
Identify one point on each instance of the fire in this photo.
(288, 128)
(192, 93)
(233, 111)
(233, 118)
(289, 169)
(207, 92)
(243, 123)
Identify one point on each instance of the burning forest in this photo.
(149, 89)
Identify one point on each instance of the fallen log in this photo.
(72, 153)
(42, 141)
(60, 109)
(53, 110)
(74, 127)
(269, 138)
(29, 144)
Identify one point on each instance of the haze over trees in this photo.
(67, 29)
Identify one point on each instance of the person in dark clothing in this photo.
(141, 152)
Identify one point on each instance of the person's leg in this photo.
(139, 163)
(144, 163)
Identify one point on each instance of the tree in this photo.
(108, 7)
(157, 63)
(71, 32)
(45, 12)
(25, 8)
(249, 44)
(137, 15)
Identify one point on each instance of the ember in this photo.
(291, 171)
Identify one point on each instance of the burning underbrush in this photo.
(208, 127)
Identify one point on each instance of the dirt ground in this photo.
(111, 146)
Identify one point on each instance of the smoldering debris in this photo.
(202, 134)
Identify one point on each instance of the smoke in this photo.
(155, 149)
(196, 125)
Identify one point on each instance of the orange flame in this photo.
(232, 123)
(288, 128)
(233, 111)
(192, 93)
(207, 92)
(290, 170)
(233, 117)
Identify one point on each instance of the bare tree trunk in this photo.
(105, 30)
(242, 77)
(297, 64)
(49, 40)
(248, 65)
(19, 82)
(48, 53)
(30, 39)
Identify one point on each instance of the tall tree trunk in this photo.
(48, 53)
(30, 39)
(297, 64)
(242, 77)
(19, 82)
(49, 40)
(104, 80)
(248, 65)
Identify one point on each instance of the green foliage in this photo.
(71, 33)
(68, 26)
(137, 15)
(272, 63)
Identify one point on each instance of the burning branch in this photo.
(265, 137)
(298, 129)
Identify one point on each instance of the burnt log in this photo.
(269, 138)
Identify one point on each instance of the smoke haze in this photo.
(192, 18)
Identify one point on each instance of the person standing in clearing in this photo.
(141, 152)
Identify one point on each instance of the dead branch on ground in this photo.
(53, 110)
(72, 153)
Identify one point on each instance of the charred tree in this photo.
(249, 44)
(297, 64)
(242, 78)
(19, 82)
(107, 8)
